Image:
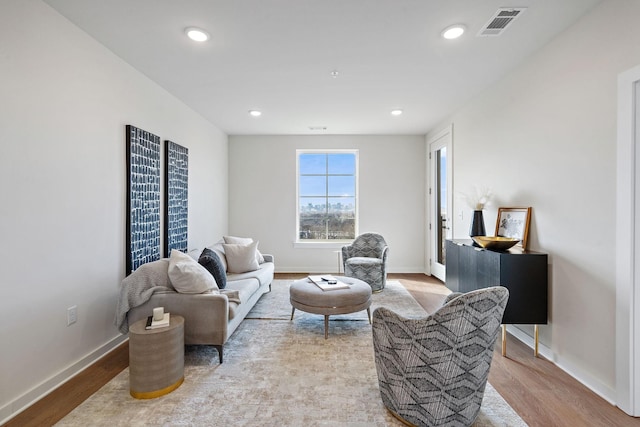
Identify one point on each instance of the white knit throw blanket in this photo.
(137, 288)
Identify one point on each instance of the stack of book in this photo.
(328, 283)
(154, 324)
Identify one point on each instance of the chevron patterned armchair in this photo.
(432, 371)
(366, 259)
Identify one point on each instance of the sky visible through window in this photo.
(327, 176)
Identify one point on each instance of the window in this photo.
(327, 195)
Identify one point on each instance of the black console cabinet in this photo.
(524, 273)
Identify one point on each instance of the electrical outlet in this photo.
(72, 315)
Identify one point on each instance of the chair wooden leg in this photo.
(326, 326)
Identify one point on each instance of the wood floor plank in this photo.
(54, 406)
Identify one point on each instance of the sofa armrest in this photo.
(206, 316)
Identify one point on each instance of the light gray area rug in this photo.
(276, 372)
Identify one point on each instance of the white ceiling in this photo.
(277, 56)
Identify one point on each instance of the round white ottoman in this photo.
(306, 296)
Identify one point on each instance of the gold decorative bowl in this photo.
(495, 243)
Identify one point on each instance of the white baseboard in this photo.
(21, 403)
(585, 378)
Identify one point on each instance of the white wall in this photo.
(262, 196)
(65, 101)
(545, 136)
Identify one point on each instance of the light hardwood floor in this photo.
(542, 394)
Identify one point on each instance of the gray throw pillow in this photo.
(211, 261)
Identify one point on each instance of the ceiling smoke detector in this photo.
(500, 21)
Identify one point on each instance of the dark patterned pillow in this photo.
(210, 260)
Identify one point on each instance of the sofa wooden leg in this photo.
(219, 348)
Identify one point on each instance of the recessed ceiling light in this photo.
(453, 32)
(335, 74)
(196, 34)
(255, 113)
(396, 112)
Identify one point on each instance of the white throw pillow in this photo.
(237, 240)
(243, 241)
(241, 258)
(187, 276)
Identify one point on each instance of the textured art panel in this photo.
(143, 198)
(176, 197)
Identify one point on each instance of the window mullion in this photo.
(326, 196)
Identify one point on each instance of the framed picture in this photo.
(143, 198)
(514, 222)
(176, 200)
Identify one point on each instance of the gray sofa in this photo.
(210, 318)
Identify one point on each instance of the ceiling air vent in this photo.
(500, 21)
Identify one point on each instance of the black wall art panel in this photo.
(176, 198)
(143, 198)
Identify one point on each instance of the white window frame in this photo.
(328, 243)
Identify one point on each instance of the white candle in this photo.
(158, 313)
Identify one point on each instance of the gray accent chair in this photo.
(433, 371)
(366, 259)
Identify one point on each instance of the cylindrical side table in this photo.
(156, 358)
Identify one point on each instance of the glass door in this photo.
(439, 218)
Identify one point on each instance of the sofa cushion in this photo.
(194, 253)
(187, 276)
(245, 287)
(211, 261)
(243, 241)
(264, 274)
(364, 261)
(241, 258)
